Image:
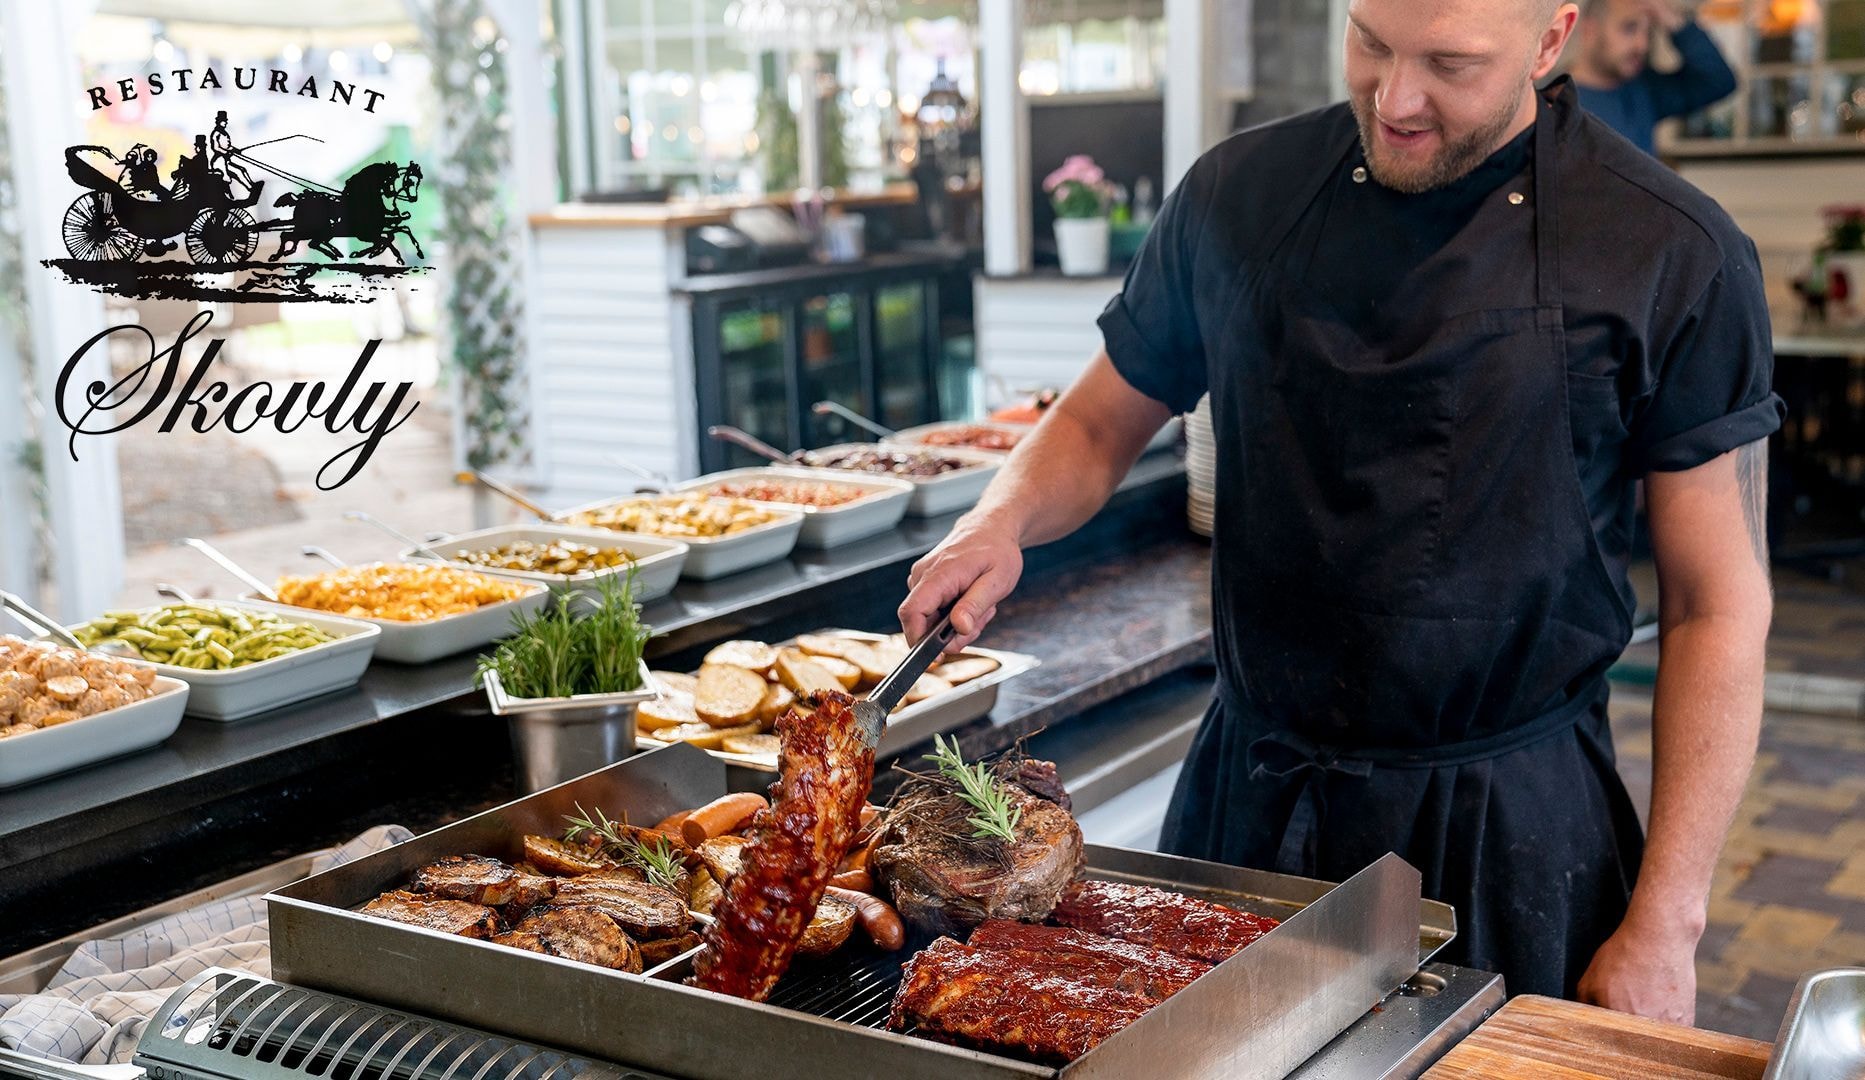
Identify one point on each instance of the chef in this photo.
(1444, 328)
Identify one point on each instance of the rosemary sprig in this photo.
(657, 860)
(996, 816)
(558, 653)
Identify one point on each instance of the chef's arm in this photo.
(1055, 480)
(1709, 535)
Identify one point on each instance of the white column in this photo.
(1004, 120)
(43, 90)
(1191, 30)
(808, 70)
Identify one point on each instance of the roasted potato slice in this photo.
(728, 696)
(670, 710)
(677, 681)
(750, 655)
(704, 892)
(873, 663)
(801, 673)
(777, 699)
(661, 950)
(965, 668)
(846, 672)
(723, 856)
(553, 856)
(829, 928)
(753, 744)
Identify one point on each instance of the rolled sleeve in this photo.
(1715, 390)
(1150, 329)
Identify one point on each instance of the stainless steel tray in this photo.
(917, 722)
(1823, 1032)
(1344, 948)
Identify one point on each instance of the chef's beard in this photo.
(1449, 164)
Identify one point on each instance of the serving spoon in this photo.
(51, 628)
(220, 559)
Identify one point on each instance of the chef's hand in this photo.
(976, 565)
(1645, 969)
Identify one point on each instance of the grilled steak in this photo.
(1009, 1000)
(643, 910)
(476, 879)
(1160, 918)
(943, 880)
(1122, 965)
(582, 934)
(824, 772)
(446, 916)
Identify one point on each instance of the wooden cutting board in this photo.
(1541, 1037)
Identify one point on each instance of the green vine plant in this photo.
(479, 232)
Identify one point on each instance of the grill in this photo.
(227, 1024)
(1340, 949)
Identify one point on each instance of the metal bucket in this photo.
(558, 739)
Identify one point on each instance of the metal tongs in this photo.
(871, 712)
(51, 628)
(220, 559)
(512, 493)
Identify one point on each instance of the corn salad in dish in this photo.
(398, 592)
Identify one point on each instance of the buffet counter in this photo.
(414, 744)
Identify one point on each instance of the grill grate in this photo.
(229, 1025)
(854, 986)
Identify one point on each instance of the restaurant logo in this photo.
(196, 236)
(144, 229)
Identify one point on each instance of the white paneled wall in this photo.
(1037, 332)
(613, 373)
(1777, 203)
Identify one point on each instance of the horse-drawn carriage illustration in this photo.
(130, 215)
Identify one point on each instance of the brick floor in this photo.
(1789, 893)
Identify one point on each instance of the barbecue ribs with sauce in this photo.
(1122, 965)
(825, 771)
(1160, 918)
(1012, 999)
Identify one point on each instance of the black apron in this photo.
(1415, 618)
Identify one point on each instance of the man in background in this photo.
(1613, 74)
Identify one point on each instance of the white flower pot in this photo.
(1081, 245)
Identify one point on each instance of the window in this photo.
(675, 97)
(1801, 71)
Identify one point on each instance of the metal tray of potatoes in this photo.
(917, 722)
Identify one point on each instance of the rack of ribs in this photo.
(824, 772)
(1050, 1008)
(1163, 919)
(1153, 973)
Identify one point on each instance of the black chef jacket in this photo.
(1660, 323)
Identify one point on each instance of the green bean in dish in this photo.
(205, 637)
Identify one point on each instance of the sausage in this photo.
(721, 816)
(857, 880)
(856, 859)
(876, 916)
(672, 822)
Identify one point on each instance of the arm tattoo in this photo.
(1751, 470)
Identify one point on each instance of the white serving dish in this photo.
(916, 436)
(935, 495)
(420, 642)
(918, 721)
(236, 693)
(829, 526)
(657, 561)
(98, 737)
(710, 557)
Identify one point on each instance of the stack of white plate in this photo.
(1200, 468)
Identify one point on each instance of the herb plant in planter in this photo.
(570, 678)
